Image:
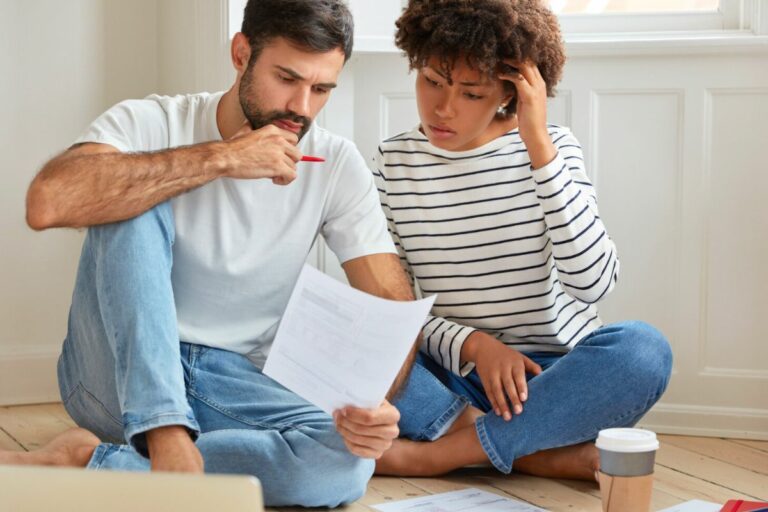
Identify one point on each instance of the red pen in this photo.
(307, 158)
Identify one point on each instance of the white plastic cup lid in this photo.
(627, 440)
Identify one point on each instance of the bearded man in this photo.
(200, 215)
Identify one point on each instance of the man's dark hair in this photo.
(317, 25)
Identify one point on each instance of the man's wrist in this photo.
(215, 159)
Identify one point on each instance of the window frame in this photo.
(739, 26)
(730, 15)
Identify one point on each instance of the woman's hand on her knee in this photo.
(368, 433)
(502, 371)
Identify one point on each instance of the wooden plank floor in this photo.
(686, 468)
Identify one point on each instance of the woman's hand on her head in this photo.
(531, 109)
(502, 371)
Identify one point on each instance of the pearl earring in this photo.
(502, 109)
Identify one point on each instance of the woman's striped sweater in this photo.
(518, 253)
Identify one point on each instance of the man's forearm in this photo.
(405, 371)
(81, 188)
(383, 276)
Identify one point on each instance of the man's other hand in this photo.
(368, 433)
(171, 449)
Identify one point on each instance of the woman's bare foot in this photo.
(71, 448)
(454, 450)
(460, 447)
(404, 457)
(579, 462)
(466, 419)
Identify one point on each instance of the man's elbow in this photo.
(40, 211)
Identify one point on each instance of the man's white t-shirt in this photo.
(240, 244)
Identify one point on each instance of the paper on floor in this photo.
(466, 500)
(694, 506)
(337, 346)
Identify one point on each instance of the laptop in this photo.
(44, 489)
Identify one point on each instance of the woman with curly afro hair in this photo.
(491, 209)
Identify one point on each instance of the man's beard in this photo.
(257, 118)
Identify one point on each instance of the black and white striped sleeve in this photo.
(584, 254)
(381, 185)
(442, 339)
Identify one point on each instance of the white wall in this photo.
(62, 64)
(193, 46)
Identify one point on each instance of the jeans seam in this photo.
(194, 357)
(155, 417)
(93, 397)
(435, 429)
(134, 428)
(66, 398)
(490, 450)
(97, 458)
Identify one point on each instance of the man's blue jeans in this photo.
(610, 379)
(123, 371)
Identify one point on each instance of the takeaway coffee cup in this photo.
(627, 456)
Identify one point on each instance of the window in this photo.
(622, 16)
(595, 26)
(632, 6)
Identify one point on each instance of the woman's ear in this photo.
(509, 98)
(509, 93)
(240, 52)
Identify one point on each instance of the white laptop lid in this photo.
(43, 489)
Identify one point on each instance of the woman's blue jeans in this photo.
(610, 379)
(123, 371)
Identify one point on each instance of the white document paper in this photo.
(694, 506)
(466, 500)
(338, 346)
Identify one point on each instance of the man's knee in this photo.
(352, 481)
(325, 483)
(158, 220)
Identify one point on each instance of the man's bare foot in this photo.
(579, 462)
(71, 448)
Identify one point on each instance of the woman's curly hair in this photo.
(483, 32)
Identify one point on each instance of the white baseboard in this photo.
(29, 377)
(696, 420)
